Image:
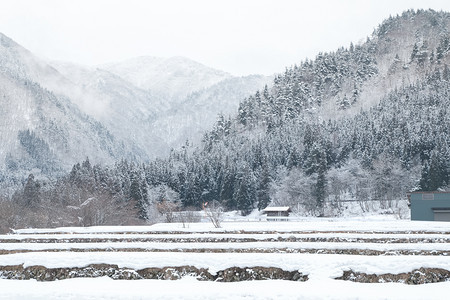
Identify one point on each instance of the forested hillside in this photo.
(316, 137)
(367, 122)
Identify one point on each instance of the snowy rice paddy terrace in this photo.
(309, 259)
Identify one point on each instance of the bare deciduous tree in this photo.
(104, 210)
(9, 215)
(189, 215)
(214, 212)
(167, 209)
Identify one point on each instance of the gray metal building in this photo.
(430, 206)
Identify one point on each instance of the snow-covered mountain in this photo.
(38, 128)
(173, 78)
(126, 110)
(198, 112)
(71, 112)
(182, 107)
(365, 123)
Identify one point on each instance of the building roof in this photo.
(429, 192)
(277, 208)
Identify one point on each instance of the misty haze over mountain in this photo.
(118, 109)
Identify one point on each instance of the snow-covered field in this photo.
(320, 248)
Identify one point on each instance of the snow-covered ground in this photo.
(189, 288)
(318, 266)
(290, 246)
(162, 245)
(371, 225)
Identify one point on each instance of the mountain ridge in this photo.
(160, 75)
(127, 114)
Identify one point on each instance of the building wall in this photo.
(422, 204)
(277, 213)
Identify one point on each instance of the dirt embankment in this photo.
(367, 252)
(363, 239)
(419, 276)
(232, 274)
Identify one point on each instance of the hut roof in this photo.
(277, 208)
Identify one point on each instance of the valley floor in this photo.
(375, 258)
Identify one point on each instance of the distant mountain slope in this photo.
(70, 111)
(401, 51)
(40, 130)
(174, 77)
(159, 123)
(107, 88)
(126, 110)
(198, 112)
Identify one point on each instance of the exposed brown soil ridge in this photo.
(246, 232)
(232, 240)
(367, 252)
(232, 274)
(418, 276)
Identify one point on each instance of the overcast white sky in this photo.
(238, 36)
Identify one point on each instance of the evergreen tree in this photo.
(263, 188)
(226, 193)
(138, 193)
(244, 193)
(31, 192)
(434, 173)
(414, 51)
(343, 103)
(321, 182)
